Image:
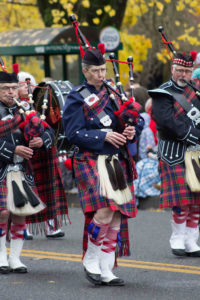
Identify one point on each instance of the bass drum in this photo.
(58, 91)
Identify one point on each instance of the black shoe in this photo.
(55, 234)
(29, 237)
(4, 270)
(179, 252)
(193, 254)
(93, 278)
(20, 270)
(114, 282)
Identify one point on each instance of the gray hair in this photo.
(174, 67)
(85, 66)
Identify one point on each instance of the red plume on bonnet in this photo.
(15, 68)
(194, 55)
(101, 48)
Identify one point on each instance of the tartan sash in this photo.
(96, 108)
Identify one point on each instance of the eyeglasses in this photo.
(96, 71)
(7, 88)
(181, 71)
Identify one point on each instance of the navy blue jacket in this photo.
(86, 134)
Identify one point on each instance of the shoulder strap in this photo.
(193, 112)
(90, 99)
(181, 100)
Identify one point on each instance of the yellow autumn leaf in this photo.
(86, 3)
(151, 3)
(99, 12)
(96, 21)
(84, 23)
(112, 13)
(180, 6)
(160, 6)
(107, 8)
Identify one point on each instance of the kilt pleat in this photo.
(87, 180)
(174, 189)
(3, 194)
(47, 176)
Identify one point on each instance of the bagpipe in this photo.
(43, 107)
(58, 91)
(170, 48)
(32, 124)
(192, 154)
(127, 110)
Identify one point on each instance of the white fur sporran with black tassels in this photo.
(16, 186)
(119, 196)
(192, 168)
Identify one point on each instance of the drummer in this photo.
(23, 87)
(57, 204)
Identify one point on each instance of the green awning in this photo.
(61, 40)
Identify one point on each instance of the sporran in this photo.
(27, 209)
(192, 168)
(106, 189)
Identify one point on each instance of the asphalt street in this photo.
(150, 273)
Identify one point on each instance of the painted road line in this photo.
(157, 266)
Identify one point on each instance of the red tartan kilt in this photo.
(86, 175)
(47, 176)
(174, 189)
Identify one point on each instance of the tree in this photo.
(137, 21)
(180, 20)
(19, 15)
(90, 12)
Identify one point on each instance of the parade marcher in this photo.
(179, 131)
(106, 208)
(15, 156)
(48, 179)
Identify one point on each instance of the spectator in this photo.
(146, 140)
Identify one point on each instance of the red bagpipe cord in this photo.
(82, 52)
(165, 44)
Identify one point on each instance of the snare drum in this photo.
(58, 91)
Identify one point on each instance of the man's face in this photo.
(8, 91)
(23, 90)
(95, 75)
(179, 73)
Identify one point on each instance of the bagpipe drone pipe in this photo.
(192, 154)
(43, 107)
(127, 110)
